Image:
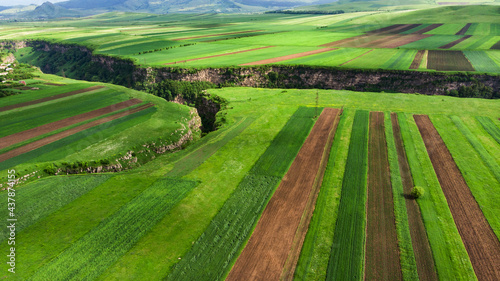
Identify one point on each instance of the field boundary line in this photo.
(220, 55)
(218, 34)
(357, 57)
(289, 57)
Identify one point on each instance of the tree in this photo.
(417, 192)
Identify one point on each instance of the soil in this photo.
(464, 29)
(289, 57)
(479, 240)
(402, 40)
(47, 128)
(427, 29)
(382, 253)
(23, 104)
(214, 56)
(451, 44)
(61, 135)
(218, 34)
(269, 247)
(421, 247)
(417, 60)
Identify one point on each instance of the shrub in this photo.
(417, 192)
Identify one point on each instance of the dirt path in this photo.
(451, 44)
(61, 135)
(415, 64)
(289, 57)
(382, 253)
(23, 104)
(221, 55)
(421, 247)
(479, 239)
(464, 29)
(218, 34)
(47, 128)
(269, 247)
(357, 57)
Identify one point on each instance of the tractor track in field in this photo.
(382, 253)
(47, 128)
(423, 254)
(479, 240)
(23, 104)
(50, 139)
(278, 236)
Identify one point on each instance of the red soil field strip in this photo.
(289, 57)
(352, 41)
(427, 29)
(402, 40)
(464, 29)
(9, 107)
(451, 44)
(47, 128)
(357, 57)
(415, 64)
(479, 240)
(421, 248)
(397, 28)
(266, 253)
(378, 41)
(226, 54)
(218, 34)
(382, 253)
(387, 28)
(61, 135)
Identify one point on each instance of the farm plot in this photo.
(273, 248)
(141, 47)
(214, 56)
(373, 59)
(347, 253)
(212, 255)
(433, 42)
(496, 46)
(92, 254)
(288, 57)
(452, 44)
(415, 64)
(448, 61)
(49, 98)
(464, 29)
(482, 62)
(47, 128)
(59, 136)
(45, 196)
(333, 58)
(424, 28)
(382, 254)
(490, 127)
(448, 29)
(419, 241)
(478, 237)
(401, 60)
(217, 34)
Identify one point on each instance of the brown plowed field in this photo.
(264, 257)
(423, 254)
(464, 29)
(214, 56)
(417, 60)
(451, 44)
(388, 28)
(61, 135)
(289, 57)
(218, 34)
(9, 107)
(427, 29)
(479, 239)
(382, 253)
(357, 57)
(448, 61)
(402, 40)
(496, 46)
(31, 133)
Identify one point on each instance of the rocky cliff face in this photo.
(428, 83)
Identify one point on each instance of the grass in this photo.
(482, 62)
(431, 43)
(43, 197)
(332, 58)
(490, 127)
(406, 254)
(212, 255)
(315, 253)
(347, 253)
(450, 257)
(375, 59)
(89, 256)
(401, 60)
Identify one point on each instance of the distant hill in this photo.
(50, 11)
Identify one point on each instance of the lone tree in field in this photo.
(417, 192)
